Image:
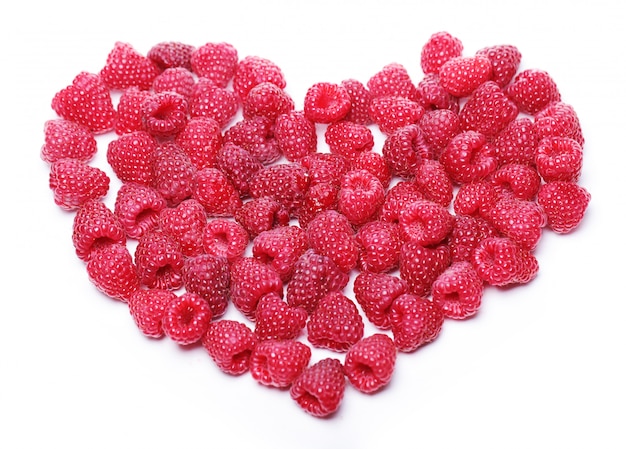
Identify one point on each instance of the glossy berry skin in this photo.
(129, 110)
(438, 49)
(326, 102)
(392, 80)
(209, 100)
(112, 271)
(255, 135)
(178, 80)
(467, 233)
(230, 344)
(174, 174)
(415, 322)
(559, 159)
(564, 203)
(267, 100)
(488, 110)
(360, 196)
(520, 180)
(261, 214)
(187, 318)
(147, 307)
(318, 198)
(253, 70)
(125, 67)
(425, 222)
(137, 208)
(225, 238)
(159, 261)
(67, 139)
(403, 150)
(131, 157)
(276, 320)
(185, 224)
(360, 98)
(375, 292)
(475, 199)
(95, 225)
(216, 61)
(421, 265)
(74, 182)
(505, 60)
(379, 246)
(532, 90)
(370, 363)
(169, 54)
(239, 166)
(276, 363)
(462, 75)
(468, 157)
(520, 220)
(558, 119)
(209, 277)
(517, 142)
(434, 183)
(296, 135)
(331, 234)
(250, 280)
(319, 390)
(335, 323)
(458, 291)
(213, 190)
(348, 139)
(201, 139)
(501, 261)
(374, 163)
(439, 127)
(392, 113)
(281, 248)
(396, 200)
(432, 96)
(164, 114)
(285, 183)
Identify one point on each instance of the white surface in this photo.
(540, 366)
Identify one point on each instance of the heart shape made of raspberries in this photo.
(227, 201)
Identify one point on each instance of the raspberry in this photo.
(215, 192)
(564, 203)
(532, 90)
(296, 135)
(520, 180)
(397, 198)
(209, 277)
(458, 291)
(279, 363)
(488, 110)
(326, 168)
(112, 271)
(250, 280)
(66, 139)
(403, 150)
(520, 220)
(558, 119)
(255, 135)
(468, 157)
(475, 198)
(393, 113)
(434, 183)
(517, 142)
(392, 80)
(159, 261)
(171, 54)
(74, 182)
(261, 214)
(201, 139)
(438, 128)
(375, 292)
(370, 363)
(185, 224)
(267, 100)
(415, 322)
(462, 75)
(348, 139)
(335, 323)
(326, 102)
(176, 79)
(276, 320)
(125, 67)
(238, 165)
(253, 70)
(505, 60)
(131, 157)
(186, 318)
(285, 183)
(432, 96)
(209, 100)
(319, 390)
(230, 344)
(466, 234)
(147, 307)
(379, 246)
(87, 102)
(559, 159)
(174, 174)
(439, 48)
(216, 61)
(129, 110)
(421, 265)
(374, 163)
(318, 198)
(330, 234)
(137, 208)
(359, 102)
(360, 196)
(95, 225)
(500, 261)
(164, 114)
(280, 248)
(425, 222)
(225, 238)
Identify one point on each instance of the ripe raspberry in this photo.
(348, 139)
(488, 110)
(285, 183)
(281, 248)
(164, 114)
(434, 183)
(379, 246)
(404, 149)
(360, 196)
(319, 390)
(209, 277)
(320, 197)
(359, 102)
(462, 75)
(375, 292)
(326, 168)
(256, 136)
(296, 135)
(209, 100)
(468, 157)
(187, 318)
(185, 224)
(225, 238)
(415, 321)
(425, 222)
(230, 344)
(215, 192)
(87, 101)
(564, 203)
(137, 208)
(432, 96)
(171, 54)
(276, 320)
(176, 79)
(475, 198)
(314, 277)
(253, 70)
(393, 80)
(558, 119)
(279, 363)
(421, 265)
(216, 61)
(393, 113)
(532, 90)
(374, 163)
(520, 220)
(370, 363)
(439, 48)
(74, 182)
(66, 139)
(95, 225)
(174, 174)
(396, 200)
(458, 291)
(335, 323)
(505, 60)
(467, 233)
(238, 165)
(520, 180)
(517, 142)
(267, 100)
(438, 128)
(131, 156)
(112, 271)
(129, 110)
(261, 214)
(326, 102)
(250, 280)
(159, 261)
(559, 159)
(147, 307)
(500, 261)
(330, 234)
(201, 139)
(125, 67)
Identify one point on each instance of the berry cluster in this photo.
(230, 200)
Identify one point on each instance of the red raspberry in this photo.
(279, 363)
(432, 96)
(125, 67)
(335, 323)
(467, 233)
(425, 222)
(185, 224)
(174, 174)
(209, 100)
(532, 90)
(261, 214)
(500, 261)
(559, 159)
(230, 344)
(159, 261)
(379, 246)
(215, 192)
(253, 70)
(517, 142)
(475, 198)
(326, 102)
(276, 320)
(285, 183)
(281, 248)
(296, 135)
(360, 197)
(438, 128)
(87, 101)
(359, 102)
(520, 180)
(375, 292)
(415, 321)
(216, 61)
(255, 135)
(392, 80)
(320, 197)
(201, 139)
(348, 139)
(171, 54)
(112, 271)
(66, 139)
(147, 307)
(319, 390)
(520, 220)
(458, 291)
(314, 276)
(95, 225)
(267, 100)
(326, 168)
(370, 363)
(74, 182)
(505, 60)
(176, 79)
(209, 277)
(137, 208)
(421, 265)
(488, 110)
(434, 183)
(129, 110)
(164, 114)
(225, 238)
(439, 48)
(558, 119)
(403, 150)
(397, 198)
(250, 280)
(374, 163)
(462, 75)
(187, 318)
(131, 157)
(238, 165)
(468, 157)
(330, 234)
(393, 113)
(564, 203)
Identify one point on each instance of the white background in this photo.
(540, 366)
